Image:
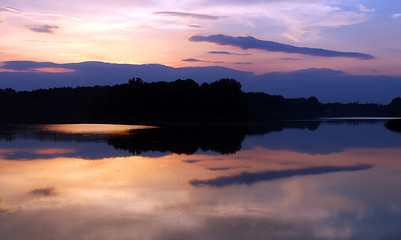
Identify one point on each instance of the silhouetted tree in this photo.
(177, 101)
(395, 107)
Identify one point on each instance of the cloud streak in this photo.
(9, 9)
(229, 53)
(191, 60)
(222, 168)
(396, 15)
(198, 60)
(364, 9)
(194, 26)
(44, 192)
(251, 178)
(191, 161)
(290, 59)
(253, 43)
(186, 14)
(43, 28)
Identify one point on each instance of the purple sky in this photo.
(357, 37)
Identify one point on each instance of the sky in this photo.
(186, 33)
(357, 37)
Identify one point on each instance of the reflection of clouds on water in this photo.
(1, 210)
(138, 197)
(294, 209)
(190, 161)
(47, 192)
(330, 215)
(222, 168)
(32, 149)
(34, 153)
(290, 163)
(251, 178)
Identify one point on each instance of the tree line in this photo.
(135, 101)
(175, 102)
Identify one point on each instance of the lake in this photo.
(329, 179)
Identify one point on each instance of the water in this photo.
(337, 179)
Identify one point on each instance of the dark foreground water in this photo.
(337, 179)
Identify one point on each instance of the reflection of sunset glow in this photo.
(82, 179)
(92, 128)
(35, 152)
(145, 197)
(50, 151)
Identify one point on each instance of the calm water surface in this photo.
(337, 179)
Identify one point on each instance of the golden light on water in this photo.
(92, 128)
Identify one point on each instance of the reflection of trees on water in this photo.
(182, 139)
(264, 128)
(188, 139)
(394, 125)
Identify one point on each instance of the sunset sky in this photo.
(361, 37)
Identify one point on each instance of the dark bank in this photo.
(166, 103)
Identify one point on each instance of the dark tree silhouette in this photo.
(395, 107)
(177, 102)
(182, 139)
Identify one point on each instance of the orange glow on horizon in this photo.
(40, 70)
(53, 70)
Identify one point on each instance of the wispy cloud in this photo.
(194, 26)
(253, 43)
(191, 60)
(229, 53)
(34, 67)
(190, 15)
(9, 9)
(38, 15)
(396, 15)
(44, 41)
(290, 59)
(298, 20)
(198, 60)
(364, 9)
(43, 28)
